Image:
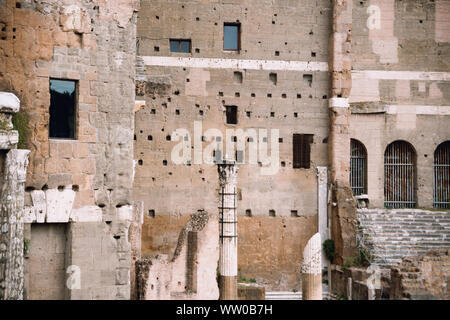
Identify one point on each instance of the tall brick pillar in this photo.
(228, 231)
(343, 206)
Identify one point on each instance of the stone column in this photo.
(322, 205)
(343, 210)
(11, 224)
(312, 269)
(228, 230)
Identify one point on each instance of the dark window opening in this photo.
(302, 150)
(183, 46)
(358, 167)
(231, 36)
(231, 113)
(62, 108)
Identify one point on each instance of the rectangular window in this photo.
(231, 36)
(302, 150)
(62, 108)
(183, 46)
(231, 113)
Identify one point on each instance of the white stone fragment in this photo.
(39, 205)
(9, 103)
(125, 213)
(59, 204)
(86, 214)
(312, 262)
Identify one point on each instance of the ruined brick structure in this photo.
(78, 191)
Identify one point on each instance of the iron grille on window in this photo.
(442, 176)
(399, 175)
(358, 167)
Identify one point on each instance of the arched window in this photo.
(399, 175)
(442, 176)
(358, 167)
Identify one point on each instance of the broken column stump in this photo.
(312, 269)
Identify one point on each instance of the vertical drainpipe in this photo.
(228, 230)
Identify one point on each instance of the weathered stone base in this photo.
(312, 286)
(228, 287)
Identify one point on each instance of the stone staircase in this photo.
(397, 233)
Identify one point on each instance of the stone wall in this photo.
(423, 277)
(289, 39)
(401, 88)
(190, 272)
(85, 182)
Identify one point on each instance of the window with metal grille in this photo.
(358, 167)
(178, 45)
(442, 176)
(302, 150)
(399, 175)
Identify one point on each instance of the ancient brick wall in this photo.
(424, 277)
(289, 39)
(86, 181)
(401, 88)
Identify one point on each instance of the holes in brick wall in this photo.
(272, 114)
(44, 187)
(313, 54)
(156, 48)
(164, 162)
(176, 92)
(237, 94)
(273, 78)
(134, 137)
(324, 96)
(284, 96)
(237, 76)
(269, 95)
(220, 94)
(18, 5)
(197, 50)
(29, 189)
(248, 212)
(253, 95)
(295, 115)
(157, 17)
(280, 140)
(200, 112)
(283, 164)
(248, 113)
(277, 53)
(177, 112)
(187, 80)
(299, 96)
(272, 213)
(101, 205)
(308, 78)
(140, 162)
(168, 137)
(149, 138)
(75, 187)
(153, 111)
(197, 19)
(197, 105)
(294, 213)
(116, 237)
